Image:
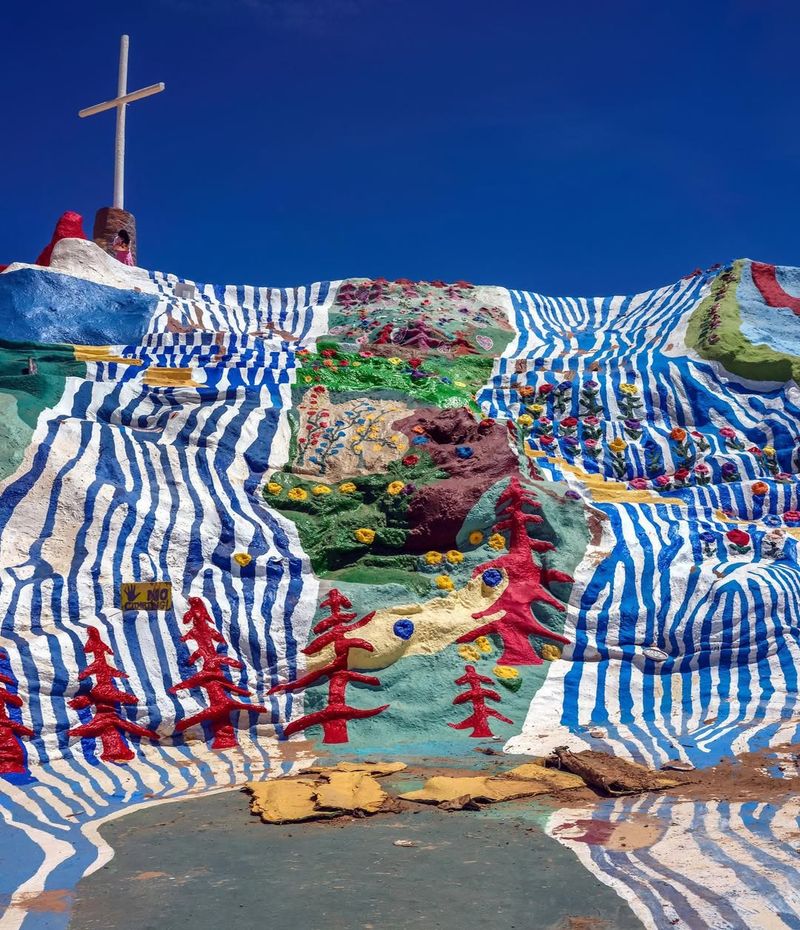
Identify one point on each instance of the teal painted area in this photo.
(24, 394)
(420, 692)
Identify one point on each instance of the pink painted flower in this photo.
(727, 432)
(639, 484)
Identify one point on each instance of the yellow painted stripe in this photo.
(168, 377)
(102, 354)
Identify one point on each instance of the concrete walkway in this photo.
(207, 864)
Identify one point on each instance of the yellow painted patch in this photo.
(101, 354)
(526, 781)
(168, 377)
(283, 800)
(602, 491)
(242, 558)
(351, 792)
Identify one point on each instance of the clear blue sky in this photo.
(566, 147)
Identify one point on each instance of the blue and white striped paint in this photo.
(125, 480)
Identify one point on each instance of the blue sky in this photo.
(568, 148)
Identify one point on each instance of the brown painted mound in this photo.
(475, 455)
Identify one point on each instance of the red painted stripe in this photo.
(765, 279)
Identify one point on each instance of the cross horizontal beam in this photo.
(121, 101)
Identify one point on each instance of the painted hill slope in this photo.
(592, 503)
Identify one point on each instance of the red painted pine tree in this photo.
(105, 697)
(333, 631)
(212, 678)
(478, 696)
(526, 582)
(12, 752)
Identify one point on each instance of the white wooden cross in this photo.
(122, 99)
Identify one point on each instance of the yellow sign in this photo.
(146, 595)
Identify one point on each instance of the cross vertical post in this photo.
(119, 143)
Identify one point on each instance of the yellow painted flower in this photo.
(365, 535)
(459, 384)
(274, 488)
(347, 488)
(618, 445)
(444, 582)
(433, 557)
(395, 487)
(355, 364)
(630, 389)
(453, 556)
(769, 451)
(475, 538)
(497, 541)
(297, 494)
(357, 448)
(483, 643)
(536, 409)
(550, 652)
(469, 653)
(320, 489)
(376, 447)
(506, 672)
(242, 558)
(394, 360)
(308, 379)
(525, 419)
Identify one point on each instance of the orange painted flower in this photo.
(760, 488)
(678, 434)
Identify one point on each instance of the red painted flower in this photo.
(739, 537)
(569, 422)
(415, 362)
(792, 516)
(754, 450)
(546, 440)
(682, 474)
(328, 353)
(486, 424)
(545, 389)
(410, 461)
(344, 362)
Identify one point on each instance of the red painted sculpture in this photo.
(106, 725)
(12, 753)
(69, 226)
(526, 579)
(332, 631)
(212, 678)
(477, 695)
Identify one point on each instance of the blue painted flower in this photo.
(491, 577)
(464, 452)
(708, 537)
(419, 440)
(771, 520)
(564, 387)
(572, 495)
(403, 628)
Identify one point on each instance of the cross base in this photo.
(107, 223)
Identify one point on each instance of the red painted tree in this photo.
(212, 678)
(12, 753)
(106, 725)
(477, 695)
(332, 631)
(526, 582)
